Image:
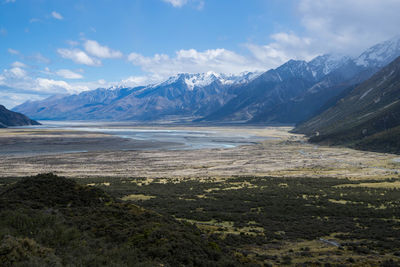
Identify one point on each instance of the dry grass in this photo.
(287, 156)
(395, 184)
(137, 197)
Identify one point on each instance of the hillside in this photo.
(272, 87)
(10, 118)
(53, 221)
(365, 117)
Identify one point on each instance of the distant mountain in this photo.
(302, 89)
(289, 94)
(191, 95)
(10, 118)
(367, 117)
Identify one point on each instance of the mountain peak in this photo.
(193, 80)
(325, 64)
(380, 54)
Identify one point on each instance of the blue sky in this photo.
(65, 46)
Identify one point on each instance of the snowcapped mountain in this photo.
(189, 95)
(291, 93)
(199, 80)
(298, 90)
(271, 96)
(325, 64)
(381, 54)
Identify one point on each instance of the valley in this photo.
(199, 133)
(275, 152)
(278, 201)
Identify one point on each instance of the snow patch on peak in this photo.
(381, 54)
(201, 80)
(194, 80)
(325, 64)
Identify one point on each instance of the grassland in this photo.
(276, 220)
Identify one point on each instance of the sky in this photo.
(52, 47)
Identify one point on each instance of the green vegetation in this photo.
(281, 220)
(51, 221)
(261, 220)
(386, 141)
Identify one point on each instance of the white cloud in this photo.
(24, 82)
(33, 20)
(95, 49)
(18, 85)
(285, 46)
(39, 58)
(68, 74)
(78, 56)
(133, 81)
(19, 79)
(176, 3)
(331, 26)
(13, 51)
(57, 15)
(18, 64)
(193, 61)
(54, 86)
(16, 72)
(36, 57)
(13, 98)
(72, 43)
(200, 5)
(9, 1)
(349, 26)
(197, 4)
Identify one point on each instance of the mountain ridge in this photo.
(370, 109)
(332, 74)
(9, 118)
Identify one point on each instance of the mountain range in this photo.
(333, 99)
(192, 95)
(289, 94)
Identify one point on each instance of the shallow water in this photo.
(178, 139)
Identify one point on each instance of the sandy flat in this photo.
(288, 155)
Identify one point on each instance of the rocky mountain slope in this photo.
(258, 100)
(365, 116)
(10, 118)
(306, 88)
